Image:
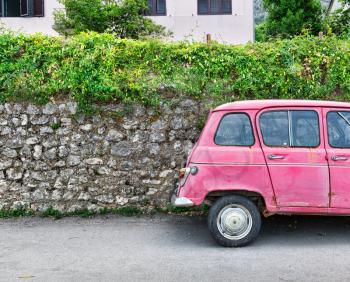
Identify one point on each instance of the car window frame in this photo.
(289, 128)
(251, 126)
(328, 139)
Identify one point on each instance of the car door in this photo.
(295, 154)
(338, 151)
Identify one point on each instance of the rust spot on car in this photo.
(251, 154)
(266, 213)
(312, 155)
(274, 200)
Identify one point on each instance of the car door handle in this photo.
(276, 157)
(338, 158)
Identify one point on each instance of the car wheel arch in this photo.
(254, 196)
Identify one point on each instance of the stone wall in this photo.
(51, 156)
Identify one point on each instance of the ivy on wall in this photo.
(94, 68)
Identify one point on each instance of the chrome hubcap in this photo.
(234, 222)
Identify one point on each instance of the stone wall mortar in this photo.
(52, 156)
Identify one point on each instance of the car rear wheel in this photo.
(234, 221)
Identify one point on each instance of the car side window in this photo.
(338, 124)
(290, 128)
(235, 130)
(274, 128)
(305, 129)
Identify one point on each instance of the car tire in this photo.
(234, 221)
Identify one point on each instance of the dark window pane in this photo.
(226, 6)
(304, 129)
(11, 8)
(274, 128)
(203, 6)
(215, 6)
(24, 7)
(150, 8)
(338, 124)
(161, 7)
(1, 15)
(235, 130)
(38, 8)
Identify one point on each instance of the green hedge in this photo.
(98, 68)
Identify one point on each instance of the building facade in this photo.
(227, 21)
(29, 16)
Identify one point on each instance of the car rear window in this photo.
(290, 128)
(235, 129)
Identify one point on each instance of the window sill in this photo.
(221, 14)
(157, 15)
(22, 17)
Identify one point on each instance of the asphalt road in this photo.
(166, 248)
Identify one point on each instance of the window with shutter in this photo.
(203, 6)
(10, 8)
(156, 8)
(38, 8)
(226, 6)
(214, 7)
(161, 7)
(24, 8)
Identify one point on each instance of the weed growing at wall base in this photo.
(53, 213)
(128, 211)
(98, 68)
(19, 212)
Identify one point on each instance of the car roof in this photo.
(261, 104)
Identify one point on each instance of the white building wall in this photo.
(181, 19)
(34, 24)
(336, 5)
(184, 22)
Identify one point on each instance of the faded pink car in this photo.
(269, 157)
